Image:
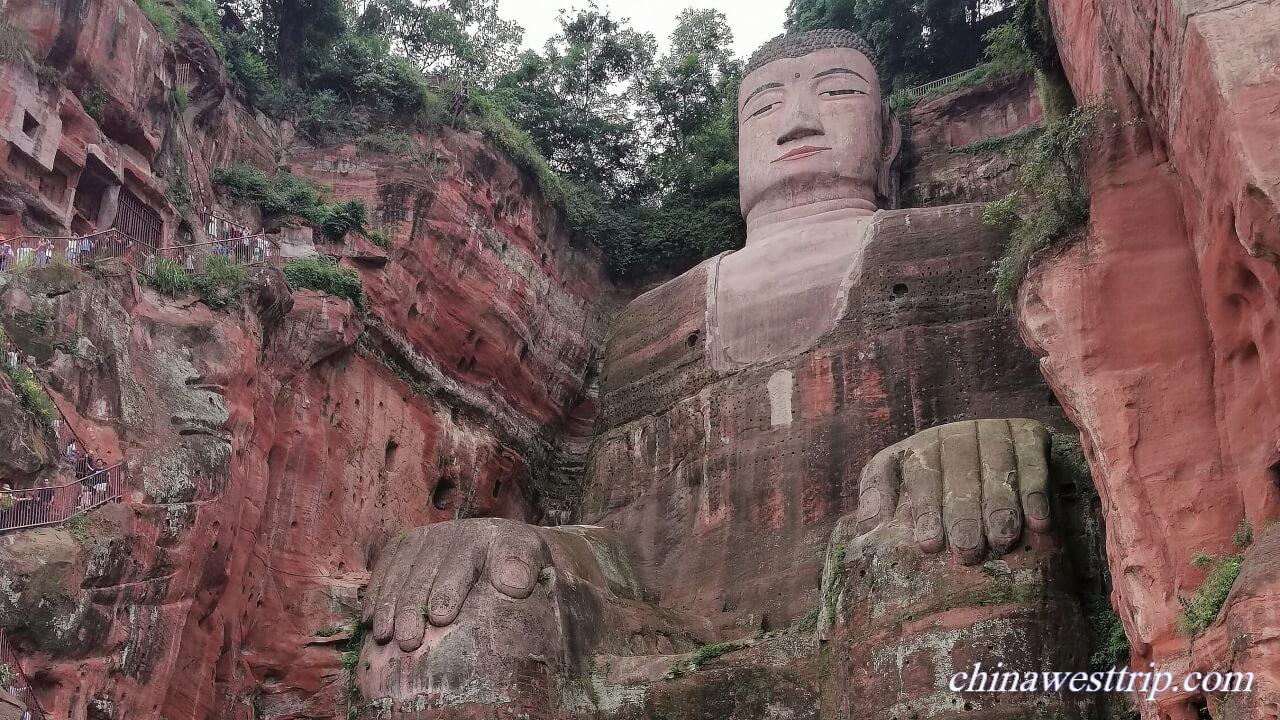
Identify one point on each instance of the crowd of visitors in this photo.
(22, 508)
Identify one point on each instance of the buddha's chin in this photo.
(819, 191)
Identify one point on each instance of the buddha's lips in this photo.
(801, 152)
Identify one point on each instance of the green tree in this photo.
(299, 33)
(460, 36)
(916, 40)
(575, 99)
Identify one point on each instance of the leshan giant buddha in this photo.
(807, 406)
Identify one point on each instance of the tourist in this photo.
(73, 453)
(44, 513)
(86, 248)
(6, 253)
(73, 248)
(189, 262)
(84, 466)
(44, 251)
(100, 478)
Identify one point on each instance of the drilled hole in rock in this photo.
(1274, 473)
(692, 340)
(442, 497)
(899, 290)
(389, 456)
(29, 125)
(497, 487)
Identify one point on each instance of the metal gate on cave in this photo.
(138, 221)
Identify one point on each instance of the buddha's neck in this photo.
(765, 230)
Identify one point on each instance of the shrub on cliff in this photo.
(1201, 609)
(1053, 201)
(285, 195)
(221, 283)
(160, 17)
(32, 395)
(169, 278)
(325, 276)
(15, 44)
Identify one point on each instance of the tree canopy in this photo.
(916, 40)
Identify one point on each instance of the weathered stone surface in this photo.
(937, 168)
(1157, 328)
(728, 487)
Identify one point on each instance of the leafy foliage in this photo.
(1053, 201)
(222, 282)
(915, 40)
(1199, 612)
(94, 101)
(1111, 648)
(343, 217)
(32, 395)
(7, 674)
(325, 276)
(15, 43)
(1243, 536)
(453, 36)
(160, 17)
(170, 278)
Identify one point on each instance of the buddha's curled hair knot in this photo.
(800, 44)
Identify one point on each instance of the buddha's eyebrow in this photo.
(840, 71)
(762, 88)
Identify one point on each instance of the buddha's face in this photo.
(809, 131)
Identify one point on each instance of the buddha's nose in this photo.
(800, 122)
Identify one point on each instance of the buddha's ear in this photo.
(890, 173)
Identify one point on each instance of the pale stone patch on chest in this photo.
(780, 386)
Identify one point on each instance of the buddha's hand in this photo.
(426, 574)
(969, 484)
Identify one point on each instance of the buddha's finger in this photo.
(1031, 445)
(962, 491)
(1001, 513)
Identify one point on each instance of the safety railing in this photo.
(36, 507)
(921, 90)
(17, 683)
(39, 250)
(248, 250)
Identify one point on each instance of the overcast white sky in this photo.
(753, 21)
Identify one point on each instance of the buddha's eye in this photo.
(763, 110)
(834, 93)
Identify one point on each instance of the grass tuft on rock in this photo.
(325, 276)
(32, 395)
(159, 16)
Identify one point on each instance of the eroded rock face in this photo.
(944, 163)
(1158, 327)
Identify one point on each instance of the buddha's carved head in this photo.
(813, 126)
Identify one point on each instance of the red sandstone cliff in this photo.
(275, 448)
(1158, 329)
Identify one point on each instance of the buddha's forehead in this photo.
(805, 67)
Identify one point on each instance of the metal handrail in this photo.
(262, 235)
(37, 507)
(20, 685)
(246, 250)
(922, 90)
(101, 245)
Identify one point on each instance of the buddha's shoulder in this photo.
(661, 329)
(932, 232)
